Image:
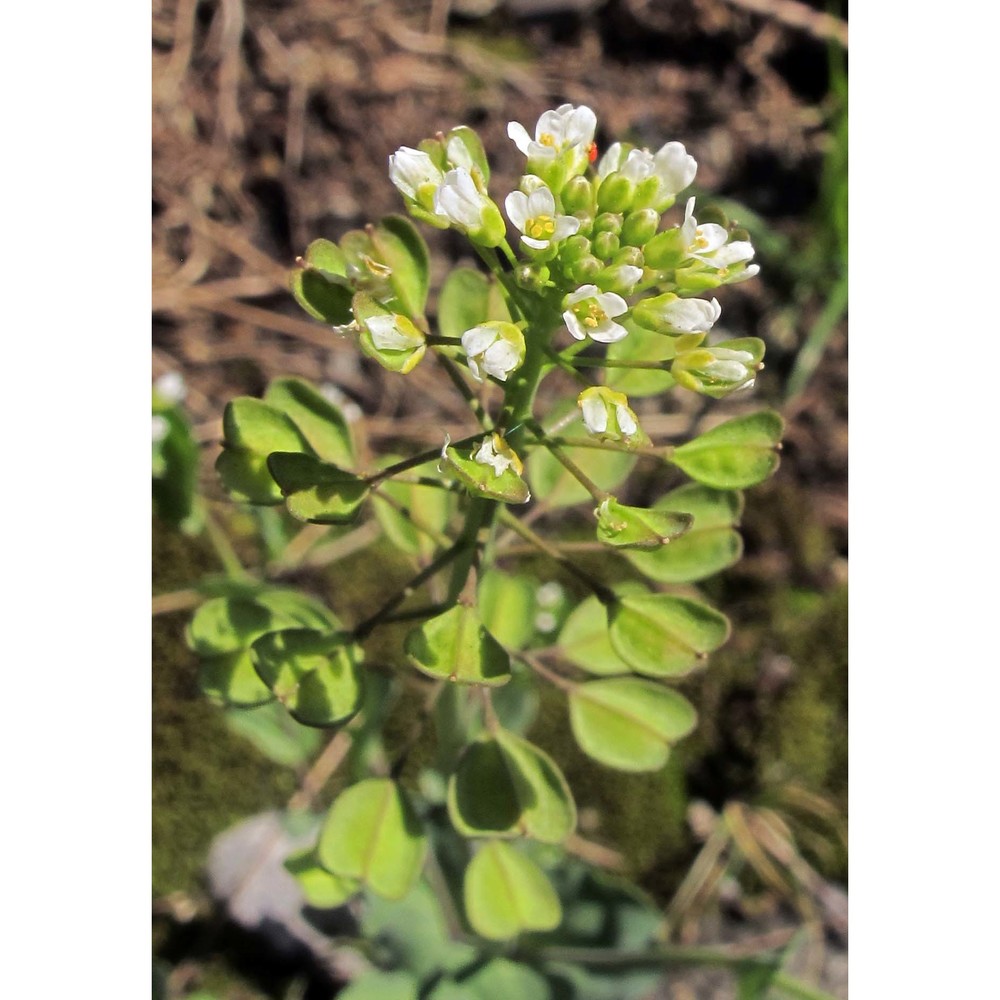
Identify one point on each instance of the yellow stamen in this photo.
(547, 139)
(541, 227)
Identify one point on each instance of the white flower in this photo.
(411, 170)
(459, 200)
(565, 129)
(498, 455)
(700, 241)
(494, 348)
(675, 167)
(691, 315)
(672, 166)
(611, 160)
(591, 313)
(392, 332)
(607, 414)
(535, 216)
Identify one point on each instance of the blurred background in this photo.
(272, 124)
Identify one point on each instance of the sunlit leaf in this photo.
(627, 527)
(455, 646)
(317, 419)
(739, 453)
(398, 244)
(320, 888)
(317, 491)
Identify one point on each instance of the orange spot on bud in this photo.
(592, 152)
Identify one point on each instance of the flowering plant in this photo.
(596, 285)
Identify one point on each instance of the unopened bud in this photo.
(577, 195)
(586, 223)
(608, 222)
(632, 256)
(665, 249)
(640, 227)
(606, 245)
(531, 277)
(615, 193)
(586, 269)
(574, 248)
(621, 279)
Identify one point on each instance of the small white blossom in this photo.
(411, 170)
(672, 166)
(563, 130)
(729, 365)
(498, 455)
(691, 315)
(607, 414)
(459, 200)
(700, 241)
(535, 216)
(493, 348)
(392, 332)
(591, 312)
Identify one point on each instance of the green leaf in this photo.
(638, 527)
(516, 703)
(325, 295)
(455, 646)
(629, 723)
(399, 245)
(711, 543)
(317, 419)
(315, 675)
(640, 345)
(326, 256)
(270, 729)
(372, 834)
(584, 641)
(321, 888)
(507, 607)
(374, 984)
(317, 491)
(498, 979)
(551, 480)
(505, 786)
(175, 471)
(663, 636)
(230, 679)
(464, 302)
(506, 893)
(739, 453)
(482, 481)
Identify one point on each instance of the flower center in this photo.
(541, 227)
(547, 139)
(590, 314)
(699, 241)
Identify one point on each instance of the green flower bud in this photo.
(585, 269)
(632, 256)
(532, 277)
(640, 227)
(577, 195)
(713, 214)
(586, 223)
(620, 278)
(608, 222)
(606, 245)
(665, 250)
(574, 248)
(694, 280)
(615, 193)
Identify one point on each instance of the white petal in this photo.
(675, 167)
(583, 292)
(566, 225)
(535, 244)
(608, 332)
(626, 423)
(580, 126)
(541, 202)
(539, 151)
(387, 336)
(519, 134)
(474, 370)
(478, 339)
(595, 414)
(710, 237)
(628, 275)
(750, 272)
(552, 123)
(638, 166)
(458, 154)
(692, 314)
(733, 253)
(516, 204)
(501, 359)
(728, 371)
(612, 303)
(610, 161)
(574, 326)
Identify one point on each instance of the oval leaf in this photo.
(464, 302)
(320, 888)
(455, 646)
(507, 607)
(230, 679)
(551, 480)
(640, 345)
(399, 245)
(506, 893)
(710, 545)
(663, 636)
(737, 454)
(317, 419)
(373, 835)
(584, 641)
(628, 723)
(638, 527)
(505, 786)
(315, 675)
(317, 491)
(323, 296)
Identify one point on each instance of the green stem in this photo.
(451, 370)
(662, 366)
(568, 464)
(654, 451)
(420, 459)
(223, 548)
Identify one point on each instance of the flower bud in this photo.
(668, 313)
(621, 278)
(460, 201)
(640, 227)
(577, 195)
(615, 193)
(720, 370)
(574, 248)
(586, 223)
(695, 280)
(389, 338)
(495, 348)
(532, 277)
(665, 250)
(606, 245)
(632, 256)
(608, 222)
(607, 415)
(585, 269)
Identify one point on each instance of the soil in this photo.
(272, 124)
